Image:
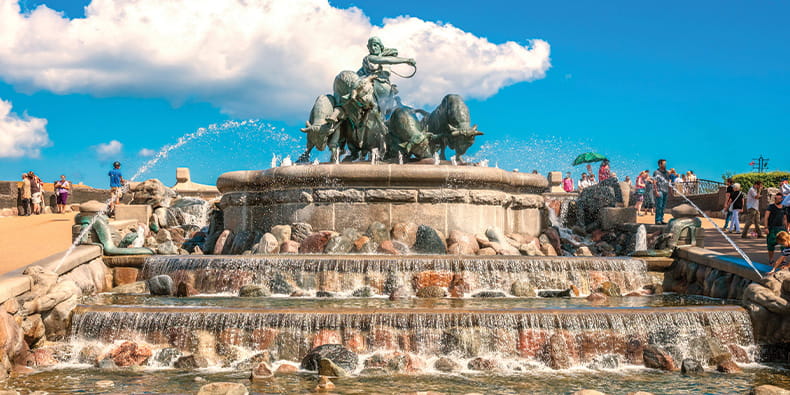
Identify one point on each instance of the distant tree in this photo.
(770, 179)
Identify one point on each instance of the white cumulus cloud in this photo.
(146, 152)
(108, 150)
(259, 58)
(21, 135)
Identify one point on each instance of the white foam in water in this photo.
(641, 239)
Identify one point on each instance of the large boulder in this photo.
(429, 241)
(691, 367)
(153, 193)
(405, 232)
(591, 200)
(253, 291)
(315, 243)
(767, 389)
(378, 232)
(281, 232)
(500, 243)
(223, 389)
(160, 285)
(300, 231)
(462, 243)
(130, 354)
(658, 358)
(339, 245)
(337, 353)
(267, 245)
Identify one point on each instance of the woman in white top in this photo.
(583, 182)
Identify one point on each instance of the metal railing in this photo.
(698, 187)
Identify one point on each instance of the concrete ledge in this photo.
(125, 260)
(657, 263)
(11, 287)
(15, 283)
(722, 262)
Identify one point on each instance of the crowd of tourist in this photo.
(650, 192)
(32, 194)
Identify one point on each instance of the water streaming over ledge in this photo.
(213, 274)
(519, 336)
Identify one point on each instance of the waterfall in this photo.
(213, 274)
(515, 334)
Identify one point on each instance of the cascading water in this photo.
(517, 337)
(640, 243)
(344, 275)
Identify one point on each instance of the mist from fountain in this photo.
(163, 153)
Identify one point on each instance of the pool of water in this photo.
(621, 381)
(510, 303)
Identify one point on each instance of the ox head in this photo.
(361, 93)
(461, 139)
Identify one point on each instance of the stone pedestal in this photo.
(138, 212)
(555, 182)
(335, 197)
(613, 216)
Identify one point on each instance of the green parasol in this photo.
(588, 157)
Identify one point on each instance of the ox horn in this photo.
(306, 127)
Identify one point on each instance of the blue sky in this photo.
(703, 84)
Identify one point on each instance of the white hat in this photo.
(736, 187)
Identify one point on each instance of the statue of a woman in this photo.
(375, 63)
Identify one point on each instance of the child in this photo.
(783, 239)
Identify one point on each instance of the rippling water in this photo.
(531, 382)
(666, 300)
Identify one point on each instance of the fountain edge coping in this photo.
(375, 175)
(15, 283)
(84, 308)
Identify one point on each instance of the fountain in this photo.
(407, 264)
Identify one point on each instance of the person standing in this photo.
(661, 190)
(36, 194)
(116, 183)
(567, 183)
(735, 206)
(753, 209)
(775, 221)
(62, 188)
(583, 182)
(727, 213)
(604, 171)
(640, 192)
(692, 179)
(26, 195)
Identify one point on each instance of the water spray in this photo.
(735, 246)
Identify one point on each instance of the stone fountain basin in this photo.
(335, 197)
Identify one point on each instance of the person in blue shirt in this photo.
(116, 183)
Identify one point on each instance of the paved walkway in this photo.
(755, 249)
(24, 240)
